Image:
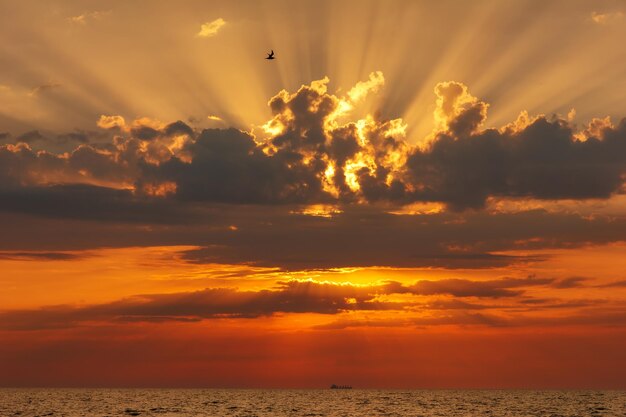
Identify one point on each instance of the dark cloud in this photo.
(507, 287)
(31, 136)
(227, 166)
(40, 256)
(144, 132)
(92, 217)
(543, 160)
(498, 288)
(536, 304)
(312, 158)
(456, 304)
(594, 317)
(76, 137)
(18, 164)
(55, 144)
(598, 317)
(517, 305)
(94, 203)
(149, 173)
(571, 282)
(178, 128)
(287, 297)
(21, 164)
(355, 238)
(614, 284)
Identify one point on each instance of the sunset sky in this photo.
(415, 194)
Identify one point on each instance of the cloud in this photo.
(31, 136)
(571, 282)
(83, 19)
(314, 154)
(313, 158)
(111, 122)
(38, 256)
(278, 236)
(50, 141)
(85, 164)
(213, 303)
(615, 284)
(116, 164)
(210, 29)
(455, 304)
(227, 166)
(355, 238)
(99, 204)
(506, 287)
(606, 17)
(292, 296)
(542, 160)
(43, 89)
(363, 88)
(75, 137)
(595, 318)
(457, 110)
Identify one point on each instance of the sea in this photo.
(283, 402)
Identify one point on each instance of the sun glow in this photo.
(341, 212)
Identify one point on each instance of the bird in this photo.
(270, 55)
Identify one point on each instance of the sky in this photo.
(413, 194)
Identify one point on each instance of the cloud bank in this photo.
(312, 153)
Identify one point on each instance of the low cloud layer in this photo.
(93, 217)
(452, 303)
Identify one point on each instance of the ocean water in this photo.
(346, 403)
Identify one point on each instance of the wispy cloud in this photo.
(210, 29)
(83, 19)
(606, 18)
(38, 256)
(44, 88)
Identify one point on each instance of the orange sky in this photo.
(410, 195)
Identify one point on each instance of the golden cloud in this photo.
(110, 122)
(606, 17)
(210, 29)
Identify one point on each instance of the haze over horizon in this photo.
(412, 194)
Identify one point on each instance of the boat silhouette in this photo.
(334, 386)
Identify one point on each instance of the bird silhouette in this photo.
(270, 55)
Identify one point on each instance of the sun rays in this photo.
(224, 75)
(405, 179)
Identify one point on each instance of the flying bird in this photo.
(270, 55)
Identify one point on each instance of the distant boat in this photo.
(340, 386)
